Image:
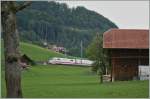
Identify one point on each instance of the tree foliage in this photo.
(96, 53)
(61, 25)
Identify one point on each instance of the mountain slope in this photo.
(38, 53)
(58, 24)
(35, 52)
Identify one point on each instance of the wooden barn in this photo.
(26, 61)
(128, 49)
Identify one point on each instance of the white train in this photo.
(68, 61)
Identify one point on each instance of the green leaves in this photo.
(63, 26)
(96, 52)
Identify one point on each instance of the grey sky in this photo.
(126, 14)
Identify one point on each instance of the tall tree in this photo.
(11, 47)
(96, 53)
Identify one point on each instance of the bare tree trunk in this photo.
(11, 48)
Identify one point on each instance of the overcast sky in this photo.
(125, 14)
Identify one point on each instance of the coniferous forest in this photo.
(58, 24)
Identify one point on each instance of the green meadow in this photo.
(60, 81)
(38, 53)
(35, 52)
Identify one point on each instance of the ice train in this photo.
(68, 61)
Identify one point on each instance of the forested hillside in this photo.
(58, 24)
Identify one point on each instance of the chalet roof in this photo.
(27, 58)
(126, 38)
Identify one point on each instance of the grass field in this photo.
(35, 52)
(38, 53)
(69, 82)
(63, 81)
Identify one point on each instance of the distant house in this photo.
(128, 49)
(26, 61)
(58, 49)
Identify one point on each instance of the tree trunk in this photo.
(11, 47)
(101, 76)
(12, 55)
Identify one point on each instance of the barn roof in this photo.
(126, 38)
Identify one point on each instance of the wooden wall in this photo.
(125, 62)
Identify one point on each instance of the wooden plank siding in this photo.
(125, 62)
(128, 48)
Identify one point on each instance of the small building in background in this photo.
(128, 50)
(58, 49)
(26, 61)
